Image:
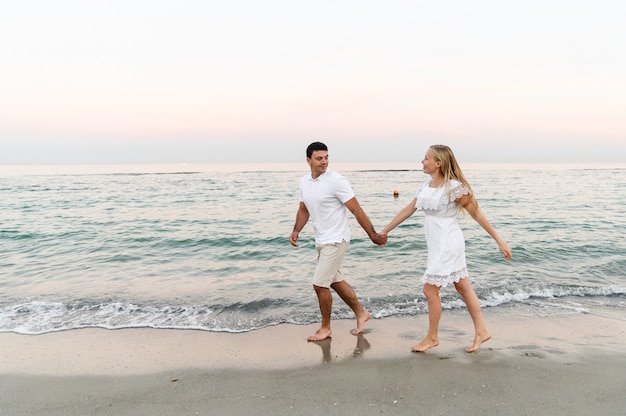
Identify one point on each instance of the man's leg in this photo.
(345, 291)
(325, 299)
(330, 257)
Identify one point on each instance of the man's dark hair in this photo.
(315, 146)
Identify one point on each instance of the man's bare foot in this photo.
(320, 334)
(478, 341)
(360, 322)
(425, 344)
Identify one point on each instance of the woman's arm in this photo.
(471, 207)
(404, 213)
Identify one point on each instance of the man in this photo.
(325, 198)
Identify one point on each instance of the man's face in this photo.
(318, 162)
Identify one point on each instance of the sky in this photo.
(248, 81)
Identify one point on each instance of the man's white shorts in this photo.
(329, 260)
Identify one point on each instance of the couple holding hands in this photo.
(325, 198)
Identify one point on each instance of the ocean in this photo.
(207, 247)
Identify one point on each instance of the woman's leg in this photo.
(473, 306)
(434, 315)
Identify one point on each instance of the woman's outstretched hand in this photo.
(506, 250)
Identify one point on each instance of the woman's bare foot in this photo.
(478, 341)
(320, 334)
(360, 322)
(425, 344)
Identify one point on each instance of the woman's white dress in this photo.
(444, 238)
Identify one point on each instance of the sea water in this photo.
(207, 247)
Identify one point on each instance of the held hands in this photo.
(384, 234)
(379, 239)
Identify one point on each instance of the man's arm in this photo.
(302, 216)
(364, 221)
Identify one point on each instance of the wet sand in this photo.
(557, 365)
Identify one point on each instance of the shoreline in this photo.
(95, 351)
(570, 364)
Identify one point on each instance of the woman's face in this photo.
(431, 166)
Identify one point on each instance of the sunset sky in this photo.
(140, 81)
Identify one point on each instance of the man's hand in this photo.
(293, 239)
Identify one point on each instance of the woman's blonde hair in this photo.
(450, 168)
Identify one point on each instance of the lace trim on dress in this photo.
(428, 203)
(446, 197)
(444, 280)
(458, 191)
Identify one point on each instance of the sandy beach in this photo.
(556, 365)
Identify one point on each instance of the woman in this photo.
(442, 198)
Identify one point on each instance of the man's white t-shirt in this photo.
(324, 198)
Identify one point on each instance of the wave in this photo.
(39, 316)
